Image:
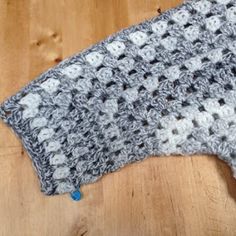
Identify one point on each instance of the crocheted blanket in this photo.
(163, 86)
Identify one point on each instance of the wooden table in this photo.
(159, 196)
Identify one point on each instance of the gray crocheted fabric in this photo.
(164, 86)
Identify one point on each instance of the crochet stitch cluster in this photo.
(164, 86)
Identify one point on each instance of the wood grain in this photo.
(159, 196)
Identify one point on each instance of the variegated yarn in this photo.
(164, 86)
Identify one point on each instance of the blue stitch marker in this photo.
(76, 195)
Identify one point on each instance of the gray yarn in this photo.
(164, 86)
